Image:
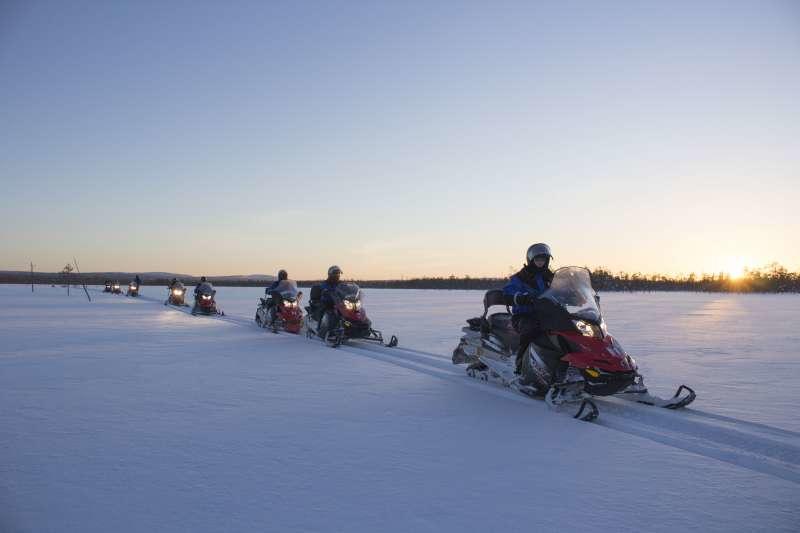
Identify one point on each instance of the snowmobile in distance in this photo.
(573, 361)
(177, 295)
(281, 308)
(205, 302)
(348, 320)
(107, 287)
(133, 289)
(115, 288)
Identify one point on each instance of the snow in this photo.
(125, 415)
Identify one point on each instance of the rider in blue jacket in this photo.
(520, 292)
(328, 318)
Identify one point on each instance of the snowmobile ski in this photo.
(676, 402)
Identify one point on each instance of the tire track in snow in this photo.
(751, 445)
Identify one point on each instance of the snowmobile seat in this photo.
(313, 308)
(501, 327)
(316, 294)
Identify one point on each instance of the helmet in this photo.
(282, 275)
(202, 279)
(539, 248)
(334, 270)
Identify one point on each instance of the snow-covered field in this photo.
(125, 415)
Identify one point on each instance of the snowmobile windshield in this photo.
(205, 288)
(287, 289)
(571, 289)
(348, 291)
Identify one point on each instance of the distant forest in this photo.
(771, 279)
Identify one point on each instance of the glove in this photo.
(523, 299)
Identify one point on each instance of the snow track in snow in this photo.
(754, 446)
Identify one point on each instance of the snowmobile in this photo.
(177, 295)
(281, 309)
(133, 289)
(204, 301)
(115, 289)
(107, 287)
(347, 319)
(575, 359)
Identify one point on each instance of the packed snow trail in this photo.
(757, 447)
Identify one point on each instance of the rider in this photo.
(138, 281)
(274, 295)
(172, 283)
(326, 299)
(282, 275)
(200, 284)
(520, 292)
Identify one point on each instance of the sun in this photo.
(736, 269)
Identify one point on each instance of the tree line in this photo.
(773, 278)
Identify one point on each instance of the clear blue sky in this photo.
(399, 138)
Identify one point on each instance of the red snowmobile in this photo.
(347, 320)
(281, 309)
(576, 358)
(177, 295)
(133, 289)
(205, 302)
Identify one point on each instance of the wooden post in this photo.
(31, 276)
(83, 281)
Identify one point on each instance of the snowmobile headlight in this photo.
(591, 372)
(206, 297)
(586, 329)
(287, 303)
(349, 305)
(177, 292)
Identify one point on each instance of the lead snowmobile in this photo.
(205, 302)
(107, 287)
(281, 308)
(115, 289)
(176, 295)
(574, 360)
(347, 320)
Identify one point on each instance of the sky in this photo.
(399, 139)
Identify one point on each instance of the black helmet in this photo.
(282, 275)
(539, 248)
(202, 279)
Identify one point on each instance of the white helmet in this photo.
(539, 248)
(334, 270)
